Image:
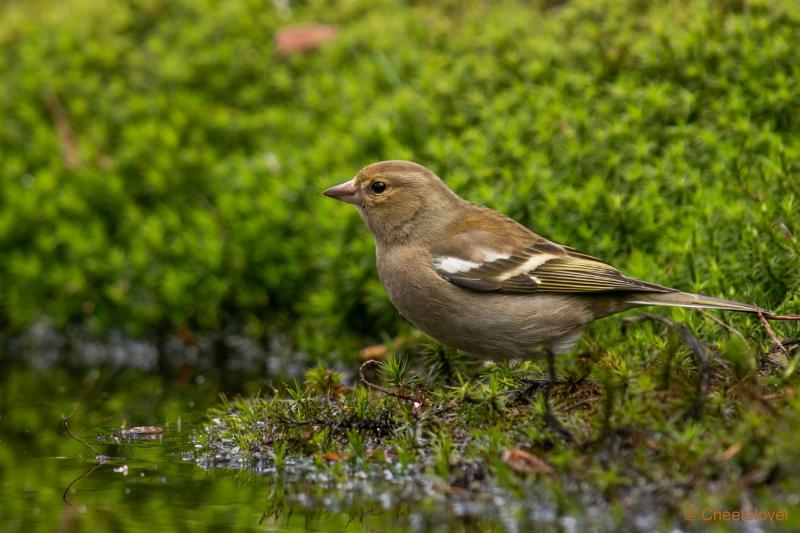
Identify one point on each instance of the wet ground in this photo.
(122, 480)
(127, 461)
(128, 458)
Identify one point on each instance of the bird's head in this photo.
(400, 201)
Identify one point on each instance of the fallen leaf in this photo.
(754, 477)
(730, 452)
(525, 462)
(303, 38)
(143, 430)
(141, 433)
(376, 351)
(786, 232)
(333, 457)
(649, 443)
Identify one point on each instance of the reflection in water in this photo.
(87, 473)
(75, 481)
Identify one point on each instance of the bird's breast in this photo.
(488, 324)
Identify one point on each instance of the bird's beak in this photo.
(346, 192)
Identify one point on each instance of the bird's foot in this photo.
(552, 422)
(530, 389)
(549, 418)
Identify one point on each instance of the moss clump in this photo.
(643, 450)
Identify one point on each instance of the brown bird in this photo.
(476, 280)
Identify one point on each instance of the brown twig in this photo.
(382, 389)
(443, 409)
(69, 146)
(719, 321)
(72, 483)
(70, 434)
(416, 402)
(772, 316)
(574, 406)
(772, 335)
(101, 460)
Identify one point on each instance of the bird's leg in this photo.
(549, 418)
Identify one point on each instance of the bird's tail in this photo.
(700, 301)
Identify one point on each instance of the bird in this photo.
(476, 280)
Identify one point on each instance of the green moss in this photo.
(659, 136)
(642, 447)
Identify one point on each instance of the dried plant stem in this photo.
(70, 434)
(378, 388)
(772, 335)
(719, 321)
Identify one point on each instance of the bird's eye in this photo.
(378, 187)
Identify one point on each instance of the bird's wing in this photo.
(522, 262)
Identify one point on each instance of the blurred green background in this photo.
(161, 170)
(162, 161)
